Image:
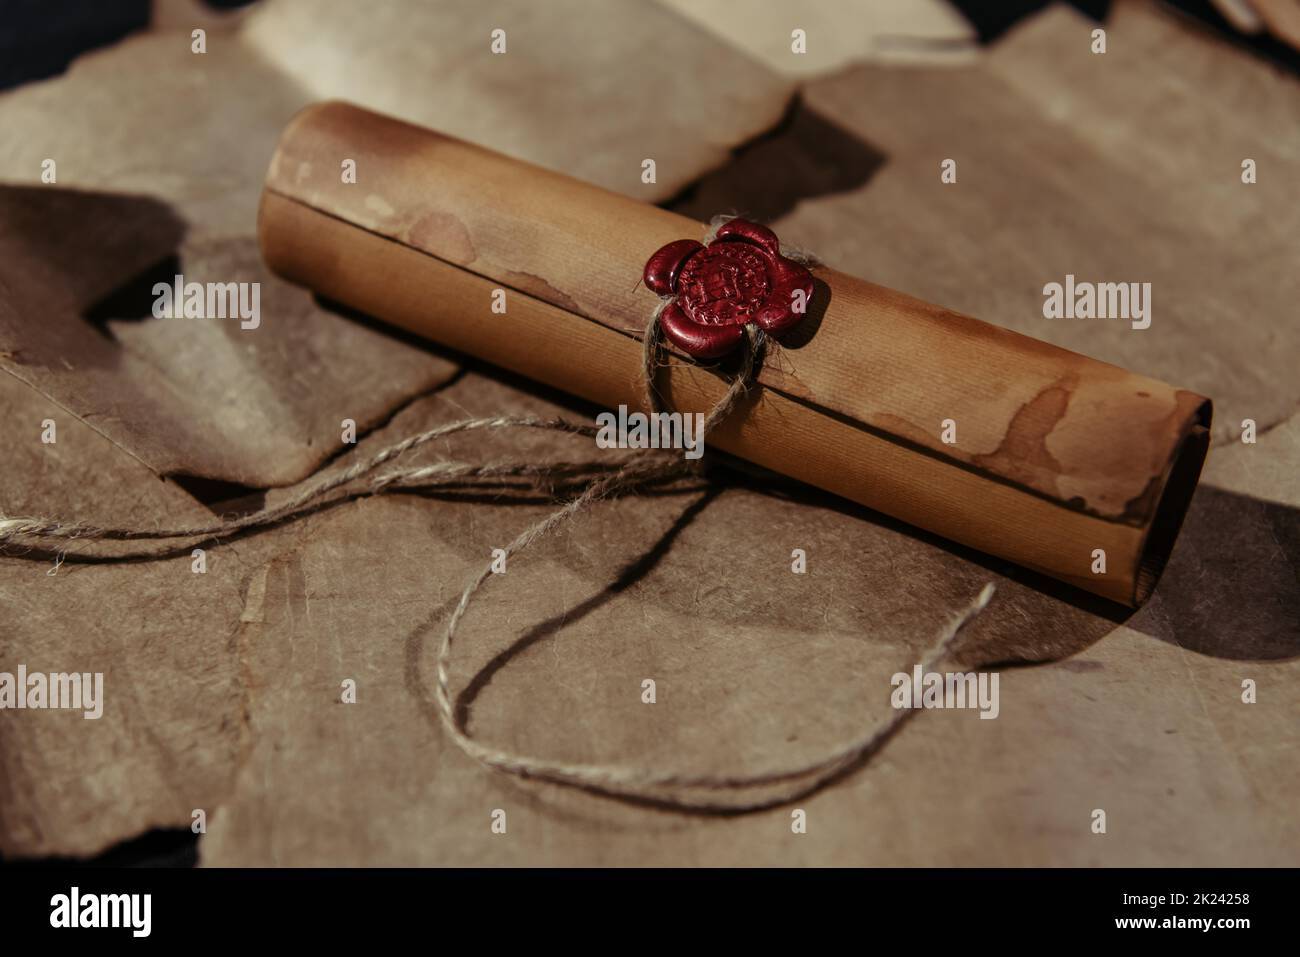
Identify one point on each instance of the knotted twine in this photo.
(708, 792)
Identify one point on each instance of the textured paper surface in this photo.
(755, 666)
(1074, 163)
(836, 34)
(222, 689)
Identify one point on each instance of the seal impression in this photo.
(739, 278)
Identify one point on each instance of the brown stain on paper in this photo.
(898, 426)
(1022, 454)
(445, 236)
(539, 288)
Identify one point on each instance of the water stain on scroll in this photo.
(1023, 452)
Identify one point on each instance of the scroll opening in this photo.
(1184, 472)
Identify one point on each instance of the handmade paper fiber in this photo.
(1056, 458)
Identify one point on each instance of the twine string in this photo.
(675, 789)
(701, 792)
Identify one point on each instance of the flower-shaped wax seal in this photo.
(740, 277)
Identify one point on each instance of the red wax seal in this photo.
(738, 278)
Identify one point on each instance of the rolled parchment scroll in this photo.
(991, 439)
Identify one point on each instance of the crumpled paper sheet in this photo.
(1120, 167)
(430, 64)
(201, 398)
(661, 89)
(223, 689)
